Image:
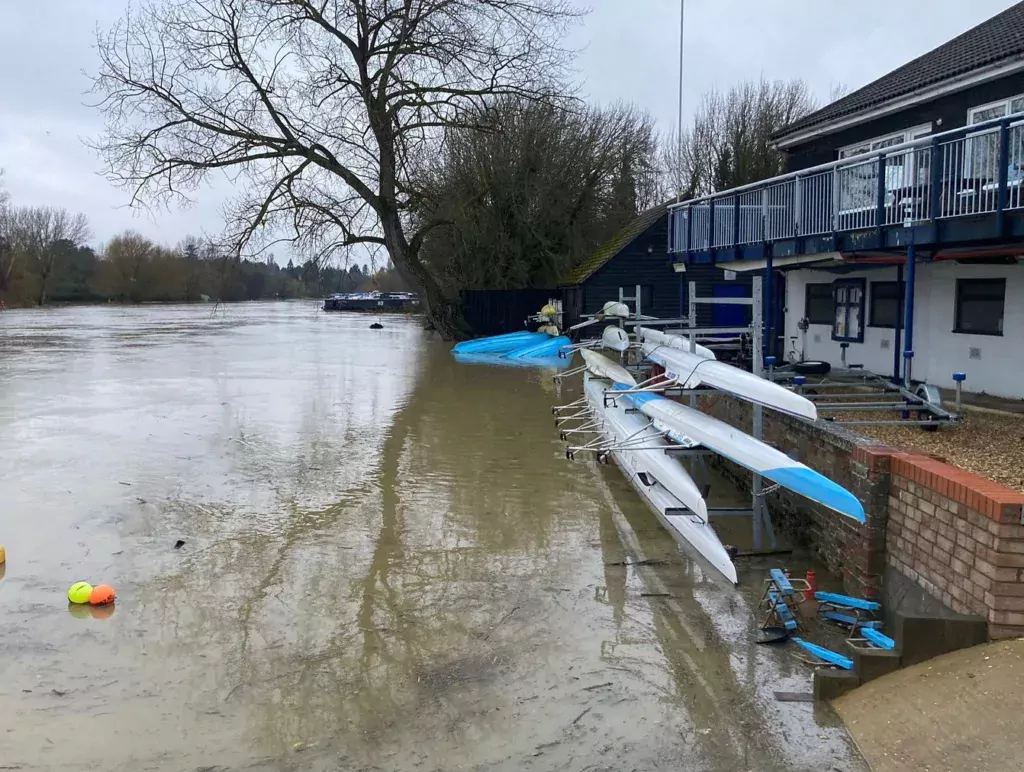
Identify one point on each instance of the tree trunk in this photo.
(443, 311)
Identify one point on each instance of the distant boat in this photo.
(380, 302)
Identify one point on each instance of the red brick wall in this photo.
(956, 535)
(960, 538)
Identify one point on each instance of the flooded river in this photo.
(388, 564)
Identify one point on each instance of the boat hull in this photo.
(500, 344)
(747, 451)
(664, 485)
(691, 370)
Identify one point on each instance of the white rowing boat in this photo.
(640, 451)
(681, 342)
(691, 370)
(746, 451)
(603, 367)
(615, 338)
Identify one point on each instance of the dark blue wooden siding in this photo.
(645, 261)
(951, 110)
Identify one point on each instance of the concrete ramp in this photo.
(960, 711)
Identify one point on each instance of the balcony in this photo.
(957, 189)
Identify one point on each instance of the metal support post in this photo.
(908, 312)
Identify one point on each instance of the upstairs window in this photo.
(818, 303)
(858, 183)
(979, 306)
(849, 311)
(983, 149)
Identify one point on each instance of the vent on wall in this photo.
(885, 343)
(817, 338)
(975, 353)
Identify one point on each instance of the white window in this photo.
(858, 183)
(983, 149)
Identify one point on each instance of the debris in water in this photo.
(597, 686)
(376, 326)
(794, 696)
(581, 715)
(179, 544)
(639, 563)
(655, 595)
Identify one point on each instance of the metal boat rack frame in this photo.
(577, 411)
(860, 386)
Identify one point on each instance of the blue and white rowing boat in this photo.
(748, 452)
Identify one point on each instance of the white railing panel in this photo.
(815, 215)
(725, 222)
(751, 229)
(780, 215)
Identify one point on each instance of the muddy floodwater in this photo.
(388, 564)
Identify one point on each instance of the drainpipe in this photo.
(908, 314)
(897, 332)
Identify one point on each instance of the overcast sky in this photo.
(631, 50)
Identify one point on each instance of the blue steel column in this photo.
(769, 313)
(908, 313)
(896, 354)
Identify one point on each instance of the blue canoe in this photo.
(500, 344)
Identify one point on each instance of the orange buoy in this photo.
(102, 594)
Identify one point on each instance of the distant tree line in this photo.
(44, 258)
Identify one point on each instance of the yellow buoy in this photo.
(3, 555)
(80, 592)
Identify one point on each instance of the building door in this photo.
(730, 315)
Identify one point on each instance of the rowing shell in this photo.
(747, 451)
(680, 342)
(662, 482)
(603, 367)
(691, 370)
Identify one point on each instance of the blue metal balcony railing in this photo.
(971, 171)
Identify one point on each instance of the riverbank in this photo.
(959, 711)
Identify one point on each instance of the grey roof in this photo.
(999, 38)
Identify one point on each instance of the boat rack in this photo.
(851, 390)
(577, 411)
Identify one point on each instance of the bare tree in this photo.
(318, 109)
(43, 232)
(730, 142)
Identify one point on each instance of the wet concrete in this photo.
(388, 564)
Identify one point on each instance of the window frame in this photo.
(906, 135)
(958, 311)
(848, 284)
(969, 149)
(807, 302)
(901, 289)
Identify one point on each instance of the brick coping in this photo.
(992, 499)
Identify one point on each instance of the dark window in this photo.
(849, 310)
(979, 306)
(886, 304)
(646, 297)
(818, 304)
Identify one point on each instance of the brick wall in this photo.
(954, 534)
(852, 551)
(960, 538)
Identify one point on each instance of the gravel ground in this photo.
(986, 443)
